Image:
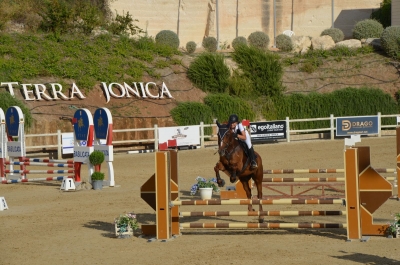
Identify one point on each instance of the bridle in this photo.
(224, 151)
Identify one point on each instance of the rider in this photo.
(243, 135)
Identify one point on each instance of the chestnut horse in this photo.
(234, 162)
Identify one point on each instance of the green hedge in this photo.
(192, 113)
(343, 102)
(223, 105)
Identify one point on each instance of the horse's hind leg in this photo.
(217, 168)
(246, 188)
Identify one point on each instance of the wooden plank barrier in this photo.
(365, 191)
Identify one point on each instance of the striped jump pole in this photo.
(319, 170)
(13, 181)
(39, 164)
(262, 225)
(263, 213)
(257, 202)
(312, 179)
(17, 171)
(45, 160)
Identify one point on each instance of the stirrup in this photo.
(254, 164)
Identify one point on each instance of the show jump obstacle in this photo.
(88, 133)
(365, 189)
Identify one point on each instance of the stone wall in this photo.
(195, 19)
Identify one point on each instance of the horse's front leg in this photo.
(246, 188)
(217, 168)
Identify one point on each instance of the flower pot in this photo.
(128, 232)
(97, 184)
(206, 193)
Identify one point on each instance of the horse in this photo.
(234, 161)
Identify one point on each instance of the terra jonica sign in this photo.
(53, 91)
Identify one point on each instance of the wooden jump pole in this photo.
(319, 171)
(257, 202)
(263, 213)
(262, 225)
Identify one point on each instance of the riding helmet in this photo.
(233, 118)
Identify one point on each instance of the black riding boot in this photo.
(252, 158)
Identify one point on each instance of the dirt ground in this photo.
(44, 225)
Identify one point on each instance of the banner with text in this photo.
(364, 125)
(268, 130)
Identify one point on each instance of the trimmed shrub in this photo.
(390, 41)
(223, 105)
(167, 37)
(384, 13)
(259, 40)
(336, 34)
(191, 47)
(239, 41)
(284, 43)
(367, 28)
(96, 157)
(264, 69)
(209, 72)
(210, 44)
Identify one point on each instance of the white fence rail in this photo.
(154, 140)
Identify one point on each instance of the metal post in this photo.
(59, 145)
(287, 130)
(217, 18)
(379, 125)
(202, 135)
(155, 137)
(274, 23)
(332, 127)
(333, 13)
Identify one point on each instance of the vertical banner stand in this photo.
(3, 145)
(83, 141)
(366, 191)
(103, 128)
(158, 191)
(15, 128)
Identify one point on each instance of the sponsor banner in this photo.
(184, 135)
(81, 153)
(67, 140)
(365, 125)
(269, 130)
(107, 150)
(15, 149)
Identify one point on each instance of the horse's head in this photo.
(228, 143)
(222, 129)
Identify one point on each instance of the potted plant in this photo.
(206, 187)
(393, 230)
(97, 180)
(96, 158)
(125, 224)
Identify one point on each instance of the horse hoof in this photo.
(261, 220)
(221, 183)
